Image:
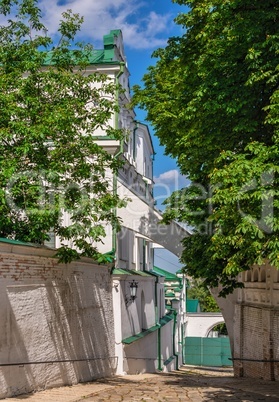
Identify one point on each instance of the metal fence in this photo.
(214, 352)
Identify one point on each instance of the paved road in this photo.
(186, 385)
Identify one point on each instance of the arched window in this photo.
(248, 276)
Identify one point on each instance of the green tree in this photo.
(212, 98)
(197, 290)
(50, 164)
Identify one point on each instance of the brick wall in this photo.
(51, 312)
(256, 325)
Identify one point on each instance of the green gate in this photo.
(214, 352)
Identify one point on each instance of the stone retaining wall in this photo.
(56, 321)
(256, 324)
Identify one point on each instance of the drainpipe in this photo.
(117, 155)
(173, 338)
(159, 368)
(159, 326)
(184, 311)
(144, 255)
(134, 139)
(182, 344)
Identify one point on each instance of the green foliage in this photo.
(212, 97)
(50, 164)
(221, 329)
(198, 290)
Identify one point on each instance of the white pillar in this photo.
(116, 298)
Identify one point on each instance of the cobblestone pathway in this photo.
(186, 385)
(189, 385)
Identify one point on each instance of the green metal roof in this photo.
(121, 271)
(156, 274)
(163, 321)
(168, 275)
(167, 318)
(17, 242)
(169, 294)
(96, 56)
(141, 335)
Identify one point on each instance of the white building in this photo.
(143, 332)
(69, 323)
(146, 337)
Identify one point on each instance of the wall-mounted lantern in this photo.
(133, 289)
(133, 292)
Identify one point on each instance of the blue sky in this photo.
(146, 25)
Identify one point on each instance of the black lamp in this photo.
(133, 289)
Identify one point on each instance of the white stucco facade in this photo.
(132, 247)
(143, 334)
(135, 335)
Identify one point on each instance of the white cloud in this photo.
(171, 178)
(165, 184)
(142, 28)
(141, 31)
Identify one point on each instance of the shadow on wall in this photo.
(140, 357)
(143, 318)
(58, 330)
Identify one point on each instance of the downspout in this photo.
(159, 368)
(159, 326)
(134, 139)
(152, 170)
(184, 310)
(144, 255)
(117, 155)
(182, 344)
(173, 338)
